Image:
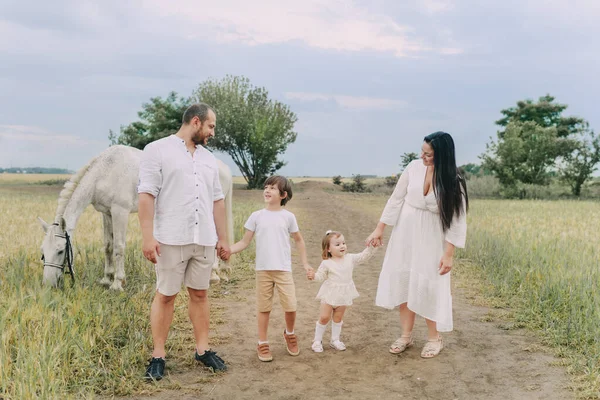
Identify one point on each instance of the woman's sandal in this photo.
(401, 344)
(432, 348)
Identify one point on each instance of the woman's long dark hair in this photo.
(448, 185)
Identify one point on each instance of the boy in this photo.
(273, 226)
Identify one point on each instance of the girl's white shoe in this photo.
(338, 345)
(317, 347)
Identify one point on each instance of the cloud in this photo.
(436, 6)
(349, 102)
(37, 134)
(334, 25)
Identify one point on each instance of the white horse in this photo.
(108, 182)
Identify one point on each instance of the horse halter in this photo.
(68, 262)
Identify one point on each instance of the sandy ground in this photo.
(480, 361)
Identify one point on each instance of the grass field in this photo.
(537, 259)
(83, 340)
(537, 263)
(542, 257)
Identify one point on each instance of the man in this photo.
(182, 217)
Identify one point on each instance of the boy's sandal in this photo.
(401, 344)
(432, 348)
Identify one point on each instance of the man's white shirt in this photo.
(185, 189)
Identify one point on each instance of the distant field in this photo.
(9, 179)
(239, 180)
(13, 179)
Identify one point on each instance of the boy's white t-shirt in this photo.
(272, 230)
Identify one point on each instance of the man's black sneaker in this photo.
(211, 360)
(156, 369)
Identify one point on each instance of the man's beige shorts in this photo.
(188, 264)
(267, 281)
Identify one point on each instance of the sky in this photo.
(367, 79)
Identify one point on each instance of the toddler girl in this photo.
(337, 290)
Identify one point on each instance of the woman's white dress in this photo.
(338, 288)
(410, 267)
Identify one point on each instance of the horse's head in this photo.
(56, 252)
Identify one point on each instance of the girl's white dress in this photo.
(410, 267)
(338, 288)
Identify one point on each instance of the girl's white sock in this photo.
(336, 330)
(319, 331)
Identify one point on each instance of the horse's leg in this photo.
(109, 266)
(214, 276)
(224, 269)
(120, 217)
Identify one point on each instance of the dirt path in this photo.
(480, 361)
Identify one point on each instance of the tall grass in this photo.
(83, 340)
(542, 258)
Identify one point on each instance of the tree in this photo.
(251, 128)
(337, 180)
(578, 165)
(407, 158)
(544, 113)
(534, 137)
(159, 118)
(524, 154)
(470, 170)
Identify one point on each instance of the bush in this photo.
(391, 181)
(486, 186)
(357, 186)
(337, 180)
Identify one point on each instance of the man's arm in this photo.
(150, 246)
(301, 246)
(221, 225)
(242, 244)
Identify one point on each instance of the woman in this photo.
(428, 211)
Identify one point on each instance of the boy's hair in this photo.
(284, 186)
(325, 243)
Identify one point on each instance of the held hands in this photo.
(223, 250)
(375, 239)
(445, 264)
(310, 273)
(151, 250)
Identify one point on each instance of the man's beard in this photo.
(199, 139)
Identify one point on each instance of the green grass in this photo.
(542, 258)
(85, 340)
(537, 264)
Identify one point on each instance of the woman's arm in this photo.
(392, 209)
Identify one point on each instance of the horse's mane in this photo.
(70, 186)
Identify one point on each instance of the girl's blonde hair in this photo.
(325, 243)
